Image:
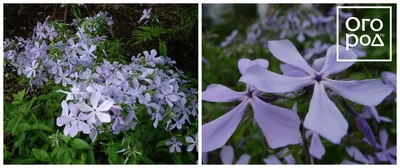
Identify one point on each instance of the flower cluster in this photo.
(101, 95)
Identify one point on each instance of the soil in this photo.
(20, 19)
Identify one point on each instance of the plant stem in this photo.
(305, 145)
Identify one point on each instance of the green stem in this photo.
(305, 145)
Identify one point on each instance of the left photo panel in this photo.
(100, 84)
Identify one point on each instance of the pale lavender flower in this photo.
(40, 49)
(63, 78)
(175, 145)
(72, 119)
(303, 29)
(51, 32)
(353, 152)
(168, 95)
(30, 70)
(371, 112)
(317, 49)
(193, 143)
(229, 39)
(96, 112)
(146, 15)
(387, 154)
(279, 125)
(227, 156)
(323, 117)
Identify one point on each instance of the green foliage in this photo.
(145, 33)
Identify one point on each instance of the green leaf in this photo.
(41, 155)
(80, 144)
(177, 159)
(112, 154)
(19, 96)
(163, 49)
(41, 127)
(23, 127)
(90, 159)
(162, 143)
(147, 160)
(64, 157)
(24, 161)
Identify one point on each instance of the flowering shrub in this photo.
(105, 97)
(305, 106)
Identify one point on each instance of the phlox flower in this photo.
(279, 125)
(387, 154)
(96, 112)
(175, 145)
(193, 143)
(323, 116)
(73, 120)
(146, 15)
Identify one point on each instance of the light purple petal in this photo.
(318, 64)
(382, 156)
(392, 150)
(103, 117)
(85, 128)
(74, 130)
(105, 106)
(221, 93)
(316, 148)
(356, 154)
(271, 82)
(227, 154)
(370, 92)
(324, 117)
(84, 107)
(383, 137)
(390, 79)
(63, 120)
(244, 159)
(245, 63)
(285, 51)
(372, 110)
(331, 66)
(94, 99)
(172, 149)
(348, 162)
(217, 132)
(272, 159)
(279, 125)
(190, 139)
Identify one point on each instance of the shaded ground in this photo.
(19, 20)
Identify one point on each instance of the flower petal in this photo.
(270, 82)
(279, 125)
(316, 147)
(221, 93)
(369, 92)
(85, 128)
(272, 159)
(318, 64)
(331, 66)
(383, 137)
(285, 51)
(227, 154)
(84, 107)
(217, 132)
(103, 117)
(243, 159)
(245, 63)
(390, 79)
(105, 106)
(94, 99)
(63, 120)
(324, 117)
(356, 154)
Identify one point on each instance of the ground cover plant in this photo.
(273, 92)
(77, 99)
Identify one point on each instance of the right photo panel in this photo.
(299, 84)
